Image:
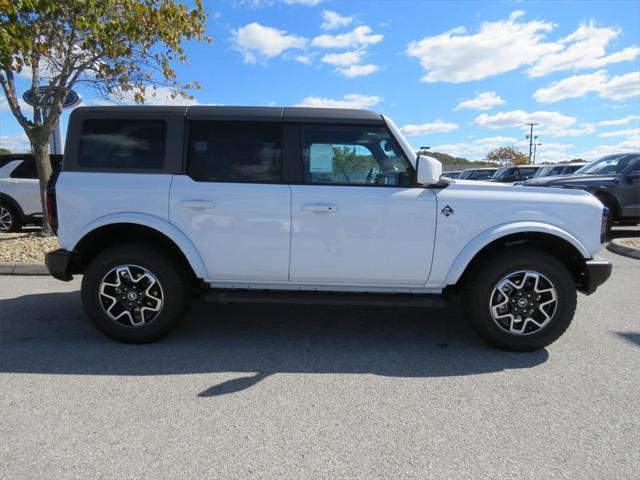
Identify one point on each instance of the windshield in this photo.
(611, 164)
(549, 171)
(504, 172)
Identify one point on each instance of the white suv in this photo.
(267, 204)
(20, 191)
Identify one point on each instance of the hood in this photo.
(570, 180)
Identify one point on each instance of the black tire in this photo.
(479, 289)
(174, 291)
(16, 223)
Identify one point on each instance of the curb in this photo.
(616, 247)
(23, 268)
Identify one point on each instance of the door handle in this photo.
(200, 204)
(319, 208)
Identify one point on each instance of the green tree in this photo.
(4, 151)
(109, 45)
(348, 163)
(507, 156)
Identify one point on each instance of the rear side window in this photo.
(25, 170)
(527, 172)
(122, 144)
(228, 152)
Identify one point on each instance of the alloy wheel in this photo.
(131, 295)
(6, 219)
(523, 302)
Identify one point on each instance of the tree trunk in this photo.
(40, 144)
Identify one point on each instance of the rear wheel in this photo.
(520, 299)
(134, 294)
(9, 219)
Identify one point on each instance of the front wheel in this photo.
(520, 299)
(134, 294)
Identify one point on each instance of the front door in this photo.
(357, 220)
(232, 204)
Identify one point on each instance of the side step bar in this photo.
(328, 298)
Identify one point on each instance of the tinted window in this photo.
(26, 169)
(227, 152)
(483, 174)
(126, 144)
(611, 164)
(353, 156)
(527, 172)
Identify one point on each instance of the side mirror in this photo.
(429, 170)
(634, 176)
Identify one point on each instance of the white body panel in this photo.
(361, 235)
(242, 230)
(84, 198)
(25, 191)
(486, 211)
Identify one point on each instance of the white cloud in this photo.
(619, 121)
(310, 3)
(15, 143)
(439, 126)
(558, 131)
(498, 47)
(358, 70)
(256, 41)
(630, 144)
(505, 45)
(517, 118)
(584, 48)
(343, 59)
(333, 20)
(153, 96)
(359, 37)
(304, 59)
(614, 88)
(482, 101)
(352, 100)
(627, 132)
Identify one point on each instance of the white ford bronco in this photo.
(266, 204)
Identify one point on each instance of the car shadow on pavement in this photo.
(50, 334)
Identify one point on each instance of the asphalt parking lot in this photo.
(244, 391)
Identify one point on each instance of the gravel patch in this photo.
(630, 242)
(25, 247)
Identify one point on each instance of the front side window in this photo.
(227, 152)
(483, 174)
(353, 156)
(122, 144)
(527, 172)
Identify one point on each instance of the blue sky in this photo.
(460, 77)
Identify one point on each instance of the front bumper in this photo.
(594, 273)
(59, 264)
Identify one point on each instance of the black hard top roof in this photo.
(265, 114)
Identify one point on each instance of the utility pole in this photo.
(531, 139)
(534, 150)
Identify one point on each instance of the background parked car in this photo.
(614, 180)
(517, 173)
(452, 174)
(559, 169)
(477, 173)
(19, 190)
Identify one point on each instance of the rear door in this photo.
(357, 218)
(24, 187)
(232, 203)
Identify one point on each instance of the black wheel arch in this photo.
(110, 235)
(10, 201)
(558, 247)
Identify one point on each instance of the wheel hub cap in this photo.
(131, 295)
(523, 302)
(5, 220)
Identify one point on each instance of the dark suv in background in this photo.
(614, 180)
(515, 173)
